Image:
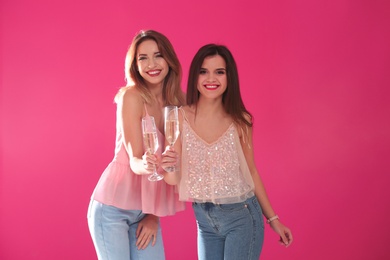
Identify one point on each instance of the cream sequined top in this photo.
(213, 172)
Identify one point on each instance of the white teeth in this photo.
(153, 72)
(211, 86)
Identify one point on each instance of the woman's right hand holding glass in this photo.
(169, 158)
(149, 162)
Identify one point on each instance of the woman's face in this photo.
(150, 63)
(212, 81)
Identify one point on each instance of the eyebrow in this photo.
(141, 54)
(215, 69)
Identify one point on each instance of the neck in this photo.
(156, 92)
(210, 107)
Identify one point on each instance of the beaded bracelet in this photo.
(272, 219)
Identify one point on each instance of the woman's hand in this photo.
(169, 158)
(149, 161)
(284, 232)
(147, 231)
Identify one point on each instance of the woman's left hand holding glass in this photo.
(149, 161)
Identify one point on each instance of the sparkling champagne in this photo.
(171, 130)
(151, 141)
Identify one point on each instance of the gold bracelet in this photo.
(272, 219)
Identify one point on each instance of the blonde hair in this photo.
(171, 92)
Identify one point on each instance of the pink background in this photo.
(315, 75)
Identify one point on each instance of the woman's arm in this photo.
(260, 192)
(131, 109)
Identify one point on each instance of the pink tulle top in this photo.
(120, 187)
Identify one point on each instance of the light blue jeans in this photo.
(113, 233)
(229, 231)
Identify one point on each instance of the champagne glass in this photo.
(171, 127)
(151, 142)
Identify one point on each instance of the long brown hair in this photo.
(231, 98)
(172, 93)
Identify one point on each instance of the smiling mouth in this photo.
(211, 87)
(154, 73)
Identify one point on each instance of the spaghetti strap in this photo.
(146, 111)
(183, 113)
(244, 134)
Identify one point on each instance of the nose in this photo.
(151, 63)
(210, 77)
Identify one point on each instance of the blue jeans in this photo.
(113, 233)
(229, 231)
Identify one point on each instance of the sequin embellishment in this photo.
(213, 169)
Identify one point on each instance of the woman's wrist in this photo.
(272, 219)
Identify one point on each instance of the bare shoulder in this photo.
(131, 97)
(248, 117)
(131, 94)
(131, 100)
(245, 132)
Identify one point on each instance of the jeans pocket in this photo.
(140, 216)
(254, 203)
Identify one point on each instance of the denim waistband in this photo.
(231, 200)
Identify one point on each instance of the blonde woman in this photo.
(123, 215)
